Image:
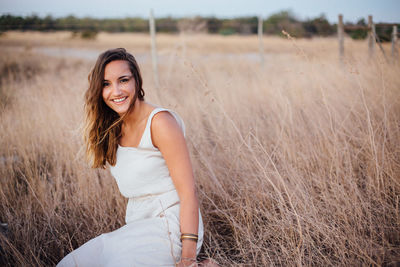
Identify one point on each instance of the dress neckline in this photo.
(144, 132)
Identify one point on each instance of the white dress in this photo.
(151, 236)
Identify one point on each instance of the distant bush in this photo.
(385, 33)
(277, 22)
(89, 34)
(284, 20)
(227, 31)
(213, 25)
(358, 34)
(319, 26)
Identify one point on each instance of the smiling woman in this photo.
(145, 148)
(118, 91)
(103, 123)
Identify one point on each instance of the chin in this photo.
(121, 112)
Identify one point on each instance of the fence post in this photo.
(154, 48)
(394, 41)
(340, 31)
(260, 40)
(371, 36)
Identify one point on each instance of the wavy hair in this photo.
(102, 127)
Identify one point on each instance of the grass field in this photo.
(297, 162)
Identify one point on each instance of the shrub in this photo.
(89, 34)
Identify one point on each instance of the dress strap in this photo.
(146, 141)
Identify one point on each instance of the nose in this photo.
(116, 89)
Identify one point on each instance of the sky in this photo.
(352, 10)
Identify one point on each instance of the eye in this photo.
(105, 84)
(124, 80)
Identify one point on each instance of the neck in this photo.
(136, 114)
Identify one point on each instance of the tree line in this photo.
(274, 24)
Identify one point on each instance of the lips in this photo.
(119, 100)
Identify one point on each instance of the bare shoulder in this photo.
(164, 128)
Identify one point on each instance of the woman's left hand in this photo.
(187, 263)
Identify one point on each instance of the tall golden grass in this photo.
(297, 162)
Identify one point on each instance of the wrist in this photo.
(189, 249)
(188, 261)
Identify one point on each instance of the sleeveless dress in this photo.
(151, 236)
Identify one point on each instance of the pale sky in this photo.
(352, 10)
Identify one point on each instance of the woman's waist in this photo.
(150, 205)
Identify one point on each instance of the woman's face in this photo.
(118, 86)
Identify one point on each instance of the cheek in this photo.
(132, 87)
(105, 94)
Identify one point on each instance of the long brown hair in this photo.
(102, 124)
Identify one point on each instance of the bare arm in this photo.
(168, 137)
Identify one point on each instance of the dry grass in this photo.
(297, 163)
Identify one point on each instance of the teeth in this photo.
(119, 99)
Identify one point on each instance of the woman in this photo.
(144, 146)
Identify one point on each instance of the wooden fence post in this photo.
(394, 41)
(260, 40)
(340, 31)
(371, 36)
(154, 49)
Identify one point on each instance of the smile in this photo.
(119, 100)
